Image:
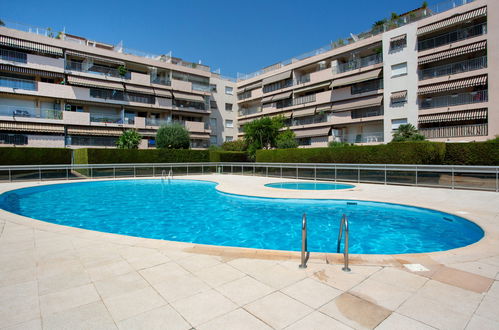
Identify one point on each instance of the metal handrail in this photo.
(304, 253)
(344, 223)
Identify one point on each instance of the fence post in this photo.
(335, 173)
(231, 169)
(385, 173)
(315, 172)
(267, 171)
(67, 173)
(416, 175)
(187, 169)
(153, 171)
(10, 175)
(114, 172)
(91, 172)
(39, 174)
(134, 174)
(296, 171)
(280, 167)
(452, 177)
(358, 174)
(202, 169)
(254, 170)
(497, 179)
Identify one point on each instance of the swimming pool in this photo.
(309, 185)
(194, 211)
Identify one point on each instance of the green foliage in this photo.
(34, 156)
(494, 140)
(172, 136)
(236, 145)
(111, 156)
(129, 139)
(122, 70)
(407, 132)
(262, 133)
(286, 140)
(228, 156)
(424, 4)
(214, 147)
(335, 144)
(473, 153)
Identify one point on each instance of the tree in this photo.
(172, 136)
(286, 140)
(2, 23)
(236, 145)
(262, 133)
(407, 132)
(129, 139)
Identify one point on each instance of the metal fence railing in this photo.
(454, 177)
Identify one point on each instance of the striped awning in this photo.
(139, 89)
(163, 93)
(188, 97)
(281, 96)
(277, 77)
(80, 81)
(398, 38)
(365, 102)
(267, 99)
(18, 69)
(453, 52)
(453, 85)
(453, 116)
(311, 87)
(324, 107)
(30, 127)
(398, 95)
(95, 131)
(199, 136)
(95, 58)
(250, 87)
(356, 78)
(304, 112)
(458, 18)
(28, 45)
(313, 132)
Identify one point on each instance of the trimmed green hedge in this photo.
(228, 156)
(110, 156)
(477, 153)
(34, 156)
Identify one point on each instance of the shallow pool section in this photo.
(194, 211)
(309, 185)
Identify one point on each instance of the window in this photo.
(213, 140)
(213, 123)
(305, 141)
(229, 90)
(213, 104)
(399, 69)
(398, 43)
(213, 88)
(397, 122)
(228, 106)
(16, 139)
(75, 108)
(229, 123)
(229, 138)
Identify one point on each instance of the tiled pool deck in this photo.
(55, 277)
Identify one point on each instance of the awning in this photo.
(453, 52)
(28, 45)
(398, 95)
(304, 112)
(281, 96)
(366, 102)
(95, 131)
(250, 87)
(313, 132)
(95, 58)
(312, 87)
(31, 127)
(398, 38)
(277, 77)
(18, 69)
(244, 121)
(80, 81)
(163, 93)
(188, 97)
(267, 99)
(139, 89)
(458, 18)
(356, 78)
(452, 85)
(324, 108)
(453, 116)
(199, 136)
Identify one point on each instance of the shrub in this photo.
(236, 145)
(110, 156)
(262, 133)
(34, 156)
(129, 139)
(172, 136)
(407, 132)
(286, 140)
(336, 144)
(228, 156)
(473, 153)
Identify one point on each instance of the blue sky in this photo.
(236, 36)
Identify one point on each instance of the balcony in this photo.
(309, 120)
(201, 87)
(455, 99)
(453, 36)
(359, 63)
(105, 118)
(23, 112)
(304, 99)
(17, 83)
(13, 56)
(454, 68)
(157, 122)
(373, 137)
(367, 86)
(161, 81)
(454, 131)
(249, 111)
(96, 69)
(366, 113)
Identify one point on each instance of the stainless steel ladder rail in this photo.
(344, 224)
(304, 253)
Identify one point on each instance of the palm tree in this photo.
(407, 132)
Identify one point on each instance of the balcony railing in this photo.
(157, 122)
(17, 83)
(303, 79)
(309, 120)
(454, 131)
(162, 81)
(359, 63)
(372, 137)
(365, 113)
(201, 87)
(453, 36)
(454, 68)
(455, 99)
(24, 112)
(249, 111)
(367, 86)
(304, 99)
(13, 56)
(96, 69)
(106, 118)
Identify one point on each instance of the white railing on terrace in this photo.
(358, 63)
(429, 11)
(454, 99)
(26, 112)
(454, 68)
(455, 131)
(372, 137)
(200, 87)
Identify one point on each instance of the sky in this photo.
(235, 36)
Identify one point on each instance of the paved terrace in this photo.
(55, 277)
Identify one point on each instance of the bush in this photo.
(34, 156)
(129, 139)
(111, 156)
(473, 153)
(172, 136)
(228, 156)
(336, 144)
(236, 145)
(286, 140)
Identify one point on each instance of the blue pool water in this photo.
(194, 211)
(309, 185)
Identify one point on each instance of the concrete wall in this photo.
(46, 141)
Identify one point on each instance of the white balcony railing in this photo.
(25, 112)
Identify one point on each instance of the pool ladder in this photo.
(164, 176)
(305, 254)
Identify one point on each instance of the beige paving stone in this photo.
(244, 290)
(18, 303)
(157, 274)
(311, 292)
(133, 303)
(198, 261)
(489, 308)
(90, 316)
(140, 258)
(398, 321)
(180, 286)
(61, 282)
(278, 310)
(379, 293)
(59, 267)
(252, 266)
(20, 275)
(279, 276)
(481, 323)
(120, 284)
(318, 321)
(238, 319)
(67, 299)
(399, 278)
(463, 279)
(337, 278)
(109, 270)
(164, 317)
(479, 268)
(355, 312)
(494, 290)
(219, 274)
(35, 324)
(203, 307)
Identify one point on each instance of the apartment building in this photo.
(432, 67)
(67, 91)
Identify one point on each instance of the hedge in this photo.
(477, 153)
(228, 156)
(34, 156)
(111, 156)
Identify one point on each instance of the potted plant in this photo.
(122, 70)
